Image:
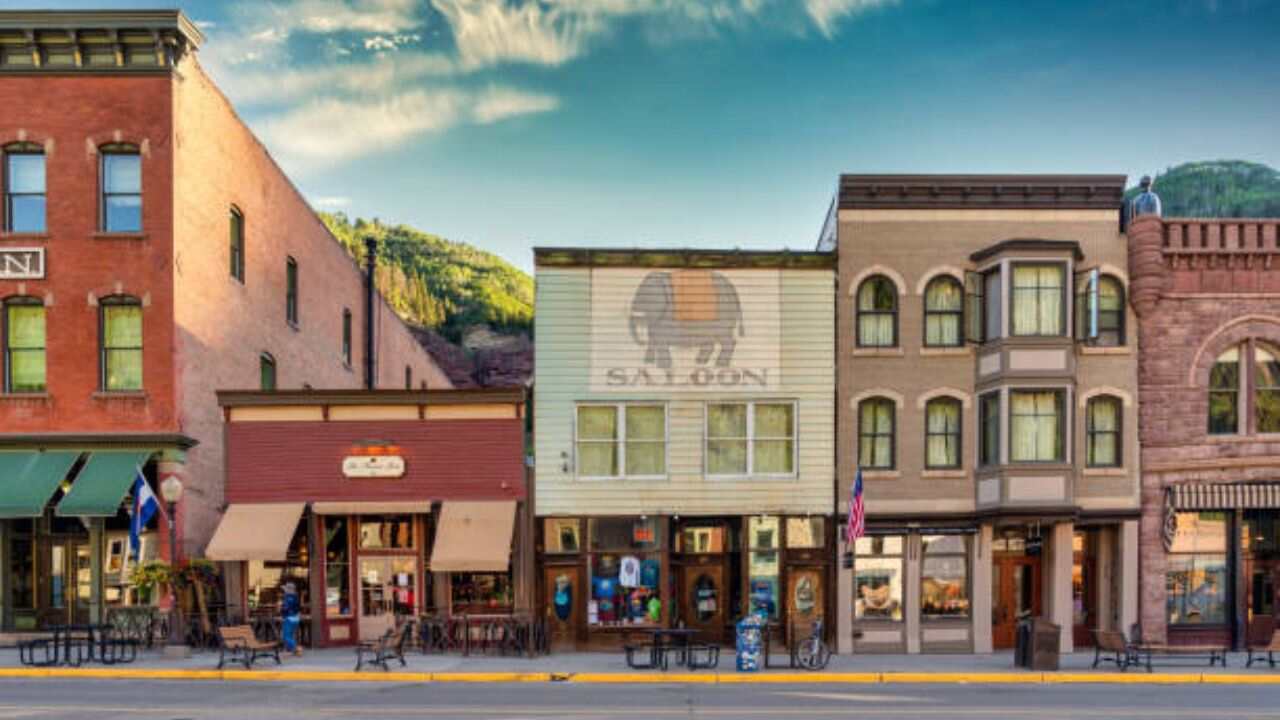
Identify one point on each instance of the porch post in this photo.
(1062, 557)
(316, 576)
(97, 613)
(6, 582)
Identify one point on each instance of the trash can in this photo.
(1046, 644)
(750, 642)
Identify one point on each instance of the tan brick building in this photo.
(986, 389)
(1205, 292)
(151, 252)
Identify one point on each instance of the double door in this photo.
(1015, 594)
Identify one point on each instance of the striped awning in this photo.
(1224, 496)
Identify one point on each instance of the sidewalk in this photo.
(337, 665)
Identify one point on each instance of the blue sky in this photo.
(660, 123)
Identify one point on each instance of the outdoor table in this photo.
(669, 638)
(79, 635)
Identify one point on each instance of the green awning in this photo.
(102, 483)
(28, 479)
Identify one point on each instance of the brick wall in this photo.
(71, 117)
(1196, 293)
(223, 326)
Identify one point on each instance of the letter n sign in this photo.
(21, 263)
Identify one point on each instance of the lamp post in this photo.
(171, 490)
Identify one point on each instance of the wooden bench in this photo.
(1144, 654)
(237, 642)
(386, 648)
(1270, 647)
(1110, 646)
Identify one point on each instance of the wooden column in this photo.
(315, 575)
(97, 613)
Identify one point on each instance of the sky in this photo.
(719, 123)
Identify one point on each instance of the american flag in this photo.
(857, 525)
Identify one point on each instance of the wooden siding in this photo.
(802, 301)
(444, 460)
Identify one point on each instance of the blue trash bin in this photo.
(750, 642)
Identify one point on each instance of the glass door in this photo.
(1015, 594)
(388, 590)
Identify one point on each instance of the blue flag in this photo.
(145, 505)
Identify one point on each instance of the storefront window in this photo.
(22, 567)
(806, 533)
(1196, 583)
(337, 568)
(710, 539)
(625, 571)
(482, 592)
(388, 586)
(386, 532)
(878, 577)
(762, 537)
(944, 577)
(267, 578)
(560, 535)
(1259, 543)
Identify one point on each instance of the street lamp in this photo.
(171, 490)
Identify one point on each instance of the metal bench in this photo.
(1257, 650)
(386, 648)
(237, 642)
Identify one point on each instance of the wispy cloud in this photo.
(330, 202)
(827, 14)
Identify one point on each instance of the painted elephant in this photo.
(686, 308)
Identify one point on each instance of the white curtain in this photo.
(876, 430)
(1104, 426)
(944, 305)
(877, 303)
(1035, 427)
(1037, 299)
(943, 433)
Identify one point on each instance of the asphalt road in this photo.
(174, 700)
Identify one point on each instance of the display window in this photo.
(806, 533)
(560, 535)
(1196, 577)
(267, 578)
(878, 574)
(482, 592)
(763, 564)
(709, 539)
(625, 572)
(944, 576)
(337, 567)
(386, 532)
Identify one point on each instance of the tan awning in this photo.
(474, 537)
(255, 532)
(371, 508)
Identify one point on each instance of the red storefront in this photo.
(377, 505)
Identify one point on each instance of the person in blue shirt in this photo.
(291, 610)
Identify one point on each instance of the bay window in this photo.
(1036, 426)
(1037, 299)
(621, 441)
(751, 438)
(989, 427)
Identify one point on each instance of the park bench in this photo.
(1257, 649)
(239, 643)
(386, 648)
(1149, 655)
(1110, 646)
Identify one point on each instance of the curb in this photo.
(1005, 678)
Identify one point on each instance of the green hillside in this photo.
(440, 284)
(1219, 188)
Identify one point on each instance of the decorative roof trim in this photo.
(1033, 244)
(681, 257)
(1045, 192)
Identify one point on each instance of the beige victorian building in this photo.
(986, 390)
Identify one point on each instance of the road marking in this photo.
(854, 697)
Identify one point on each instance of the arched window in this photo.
(877, 312)
(943, 312)
(1266, 388)
(1104, 443)
(1224, 393)
(121, 184)
(24, 339)
(24, 188)
(942, 433)
(120, 331)
(1110, 311)
(876, 433)
(267, 371)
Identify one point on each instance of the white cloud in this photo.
(330, 201)
(379, 76)
(827, 14)
(333, 129)
(487, 33)
(375, 16)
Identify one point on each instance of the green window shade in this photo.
(122, 346)
(29, 479)
(773, 452)
(646, 449)
(727, 439)
(26, 347)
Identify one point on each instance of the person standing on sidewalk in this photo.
(291, 609)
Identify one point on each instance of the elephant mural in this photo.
(686, 308)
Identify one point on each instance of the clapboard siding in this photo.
(788, 331)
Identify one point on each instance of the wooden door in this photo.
(1084, 589)
(806, 600)
(703, 600)
(564, 605)
(1015, 594)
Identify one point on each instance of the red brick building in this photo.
(1205, 292)
(375, 505)
(151, 251)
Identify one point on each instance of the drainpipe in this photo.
(371, 294)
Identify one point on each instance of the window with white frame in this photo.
(627, 440)
(751, 438)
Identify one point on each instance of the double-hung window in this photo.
(1038, 294)
(121, 342)
(989, 427)
(944, 313)
(1224, 393)
(877, 312)
(1037, 430)
(1102, 432)
(751, 438)
(876, 431)
(942, 433)
(24, 189)
(121, 178)
(627, 440)
(24, 341)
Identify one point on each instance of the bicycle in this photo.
(812, 653)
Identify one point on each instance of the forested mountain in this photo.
(449, 287)
(1219, 188)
